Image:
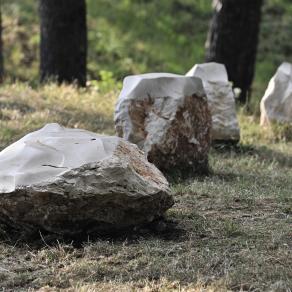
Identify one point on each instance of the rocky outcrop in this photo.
(167, 116)
(70, 181)
(221, 101)
(276, 105)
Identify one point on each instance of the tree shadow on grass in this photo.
(261, 152)
(20, 106)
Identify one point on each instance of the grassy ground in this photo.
(23, 109)
(228, 231)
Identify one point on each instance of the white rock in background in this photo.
(167, 116)
(220, 99)
(276, 105)
(71, 181)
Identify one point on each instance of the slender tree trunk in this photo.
(63, 47)
(1, 46)
(233, 40)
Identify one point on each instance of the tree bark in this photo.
(1, 47)
(63, 48)
(233, 40)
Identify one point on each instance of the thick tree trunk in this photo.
(63, 40)
(1, 46)
(233, 40)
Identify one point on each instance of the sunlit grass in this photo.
(23, 109)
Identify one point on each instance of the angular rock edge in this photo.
(167, 116)
(134, 192)
(221, 101)
(276, 104)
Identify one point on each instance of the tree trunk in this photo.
(233, 40)
(63, 47)
(1, 46)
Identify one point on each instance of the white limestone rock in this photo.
(71, 181)
(276, 105)
(167, 116)
(220, 99)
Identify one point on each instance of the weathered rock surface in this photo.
(71, 181)
(167, 116)
(220, 100)
(276, 105)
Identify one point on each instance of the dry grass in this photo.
(23, 109)
(230, 231)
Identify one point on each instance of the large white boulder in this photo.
(167, 116)
(220, 99)
(276, 105)
(72, 181)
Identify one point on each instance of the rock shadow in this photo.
(164, 229)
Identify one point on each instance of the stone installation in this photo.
(221, 101)
(276, 105)
(71, 181)
(167, 116)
